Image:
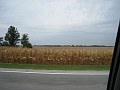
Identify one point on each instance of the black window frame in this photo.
(114, 75)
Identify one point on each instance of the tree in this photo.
(1, 41)
(5, 43)
(29, 45)
(12, 36)
(25, 41)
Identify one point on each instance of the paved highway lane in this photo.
(41, 81)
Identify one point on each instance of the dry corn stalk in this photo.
(57, 55)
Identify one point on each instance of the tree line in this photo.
(12, 38)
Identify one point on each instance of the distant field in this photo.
(57, 55)
(78, 48)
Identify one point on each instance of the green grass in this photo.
(54, 67)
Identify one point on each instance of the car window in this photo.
(75, 37)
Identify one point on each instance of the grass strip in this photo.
(55, 67)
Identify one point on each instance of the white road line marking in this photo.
(54, 73)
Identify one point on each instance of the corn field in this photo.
(57, 55)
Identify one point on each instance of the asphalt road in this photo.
(41, 81)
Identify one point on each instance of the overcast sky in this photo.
(62, 22)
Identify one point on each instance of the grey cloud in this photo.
(62, 21)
